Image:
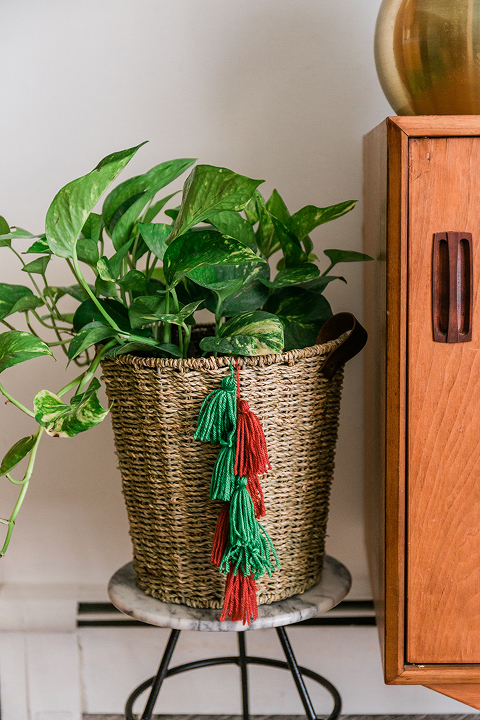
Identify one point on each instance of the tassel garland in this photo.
(220, 538)
(251, 457)
(223, 478)
(218, 414)
(249, 545)
(240, 598)
(242, 549)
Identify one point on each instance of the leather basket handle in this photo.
(348, 348)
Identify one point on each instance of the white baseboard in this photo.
(40, 676)
(52, 670)
(115, 660)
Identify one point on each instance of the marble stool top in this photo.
(127, 597)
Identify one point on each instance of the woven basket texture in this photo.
(166, 473)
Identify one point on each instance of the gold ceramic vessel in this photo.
(427, 54)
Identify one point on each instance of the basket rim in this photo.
(215, 363)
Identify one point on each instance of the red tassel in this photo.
(251, 457)
(220, 538)
(240, 598)
(256, 493)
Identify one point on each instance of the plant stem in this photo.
(15, 402)
(218, 315)
(50, 327)
(147, 262)
(23, 492)
(30, 275)
(188, 333)
(95, 300)
(167, 335)
(14, 482)
(88, 374)
(10, 327)
(176, 308)
(59, 342)
(69, 263)
(328, 269)
(152, 267)
(70, 385)
(29, 326)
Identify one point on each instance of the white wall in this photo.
(278, 89)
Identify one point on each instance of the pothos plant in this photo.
(138, 282)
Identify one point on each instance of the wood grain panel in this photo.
(395, 400)
(468, 694)
(443, 605)
(385, 186)
(438, 125)
(375, 294)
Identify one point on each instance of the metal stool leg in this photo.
(297, 676)
(242, 661)
(159, 678)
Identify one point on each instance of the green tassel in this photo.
(218, 414)
(223, 477)
(249, 546)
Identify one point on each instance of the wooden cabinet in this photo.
(422, 312)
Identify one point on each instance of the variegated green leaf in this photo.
(145, 310)
(211, 189)
(338, 256)
(292, 276)
(206, 247)
(73, 204)
(40, 246)
(292, 250)
(124, 195)
(155, 236)
(61, 420)
(302, 313)
(266, 236)
(265, 329)
(16, 453)
(75, 291)
(8, 234)
(104, 270)
(231, 223)
(309, 217)
(17, 346)
(319, 284)
(177, 318)
(25, 303)
(87, 251)
(92, 228)
(37, 266)
(106, 289)
(89, 335)
(134, 281)
(4, 226)
(276, 206)
(88, 312)
(237, 345)
(10, 295)
(251, 295)
(300, 334)
(299, 304)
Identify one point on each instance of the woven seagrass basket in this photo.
(166, 473)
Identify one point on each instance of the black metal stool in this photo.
(127, 597)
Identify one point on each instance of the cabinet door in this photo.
(443, 420)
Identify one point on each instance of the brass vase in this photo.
(427, 54)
